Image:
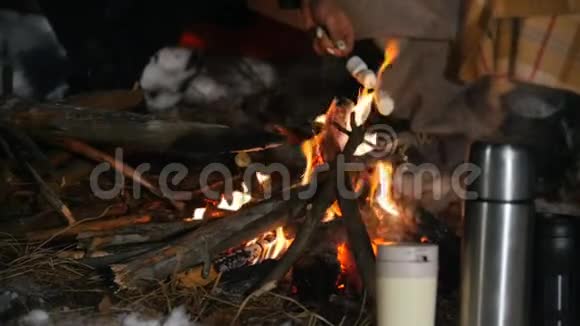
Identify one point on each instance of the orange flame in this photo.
(391, 53)
(274, 244)
(381, 188)
(343, 256)
(311, 150)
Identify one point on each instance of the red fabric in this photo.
(265, 39)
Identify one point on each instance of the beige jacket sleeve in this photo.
(423, 19)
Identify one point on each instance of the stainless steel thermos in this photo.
(497, 241)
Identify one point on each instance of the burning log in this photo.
(200, 245)
(358, 236)
(322, 201)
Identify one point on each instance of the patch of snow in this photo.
(177, 317)
(35, 317)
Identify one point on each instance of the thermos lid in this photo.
(507, 172)
(408, 252)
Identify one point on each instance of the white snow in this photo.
(35, 317)
(177, 317)
(169, 79)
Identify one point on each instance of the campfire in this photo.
(261, 232)
(383, 219)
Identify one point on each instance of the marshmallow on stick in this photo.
(368, 79)
(361, 72)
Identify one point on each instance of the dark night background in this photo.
(109, 41)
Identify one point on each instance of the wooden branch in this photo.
(94, 154)
(358, 237)
(132, 234)
(51, 197)
(92, 226)
(128, 252)
(359, 240)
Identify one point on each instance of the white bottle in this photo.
(407, 284)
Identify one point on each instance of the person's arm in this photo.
(336, 35)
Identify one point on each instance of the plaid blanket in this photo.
(533, 41)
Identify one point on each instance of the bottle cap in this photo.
(506, 172)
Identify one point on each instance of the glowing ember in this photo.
(239, 199)
(381, 188)
(342, 255)
(329, 216)
(311, 150)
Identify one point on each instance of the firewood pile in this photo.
(265, 255)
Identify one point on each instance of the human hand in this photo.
(334, 33)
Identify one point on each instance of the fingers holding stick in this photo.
(324, 43)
